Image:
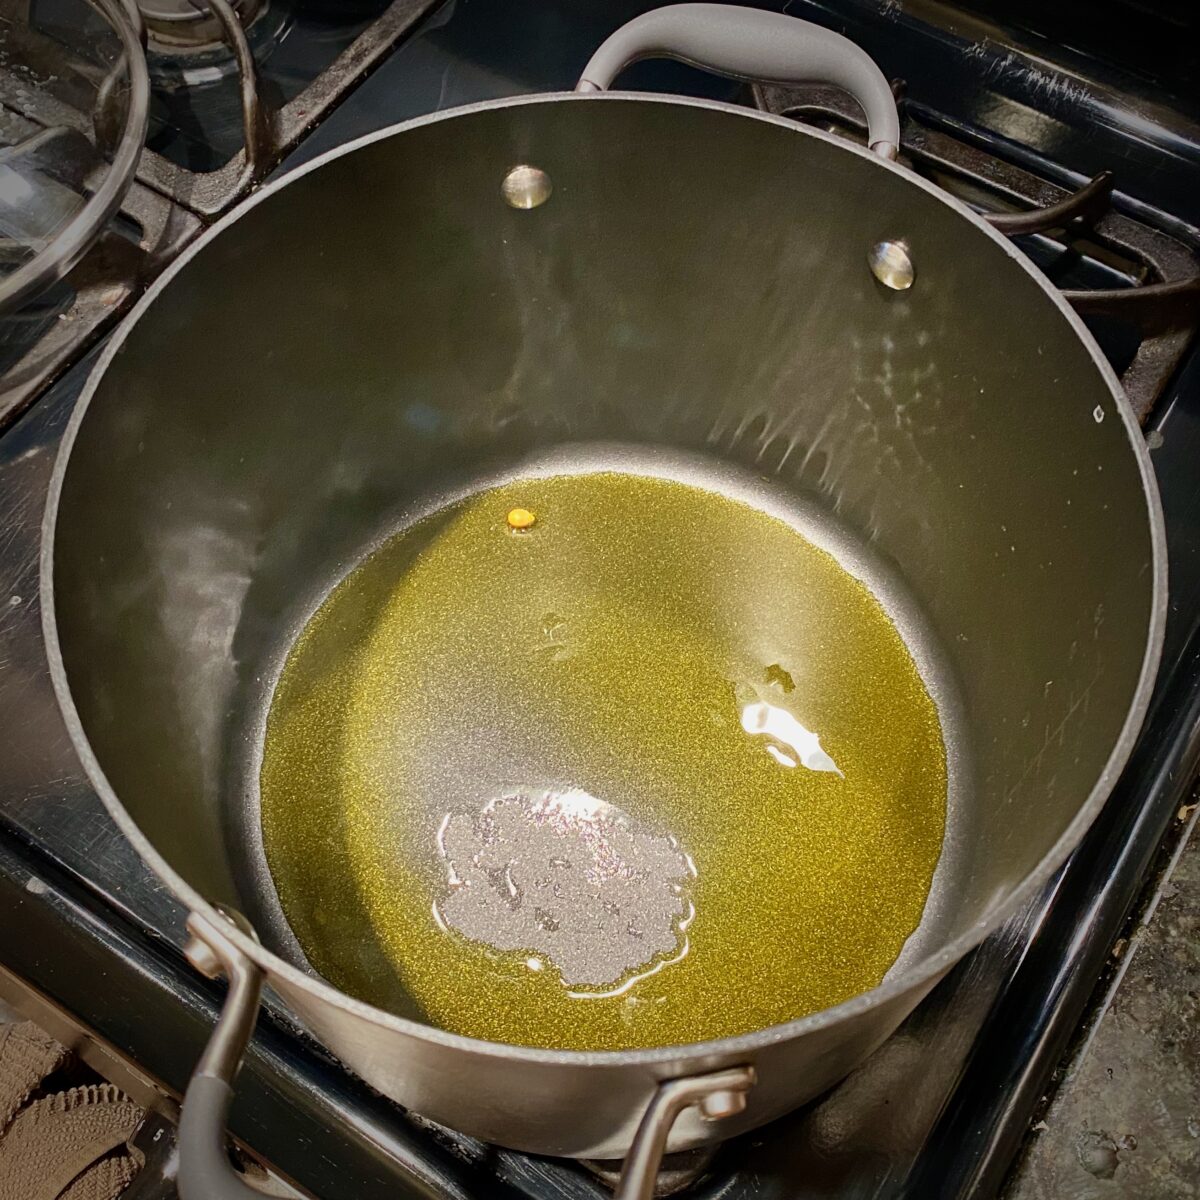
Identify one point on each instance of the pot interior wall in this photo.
(697, 281)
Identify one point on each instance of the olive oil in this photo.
(639, 766)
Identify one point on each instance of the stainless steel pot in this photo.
(672, 274)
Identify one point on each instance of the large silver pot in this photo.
(702, 279)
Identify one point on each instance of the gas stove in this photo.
(1089, 157)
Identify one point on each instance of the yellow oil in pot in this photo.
(602, 761)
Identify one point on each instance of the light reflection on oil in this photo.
(779, 724)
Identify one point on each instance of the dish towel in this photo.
(59, 1144)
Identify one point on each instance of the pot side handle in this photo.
(205, 1172)
(718, 1095)
(747, 43)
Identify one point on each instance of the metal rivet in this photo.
(725, 1103)
(203, 957)
(891, 265)
(526, 187)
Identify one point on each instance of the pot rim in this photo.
(926, 970)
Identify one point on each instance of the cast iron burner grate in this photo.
(44, 62)
(1136, 285)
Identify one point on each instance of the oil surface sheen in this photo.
(651, 770)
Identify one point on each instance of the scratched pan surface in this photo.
(382, 328)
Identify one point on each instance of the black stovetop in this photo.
(942, 1108)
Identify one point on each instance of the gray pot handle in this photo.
(205, 1172)
(720, 1094)
(746, 43)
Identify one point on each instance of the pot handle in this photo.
(205, 1172)
(747, 43)
(720, 1094)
